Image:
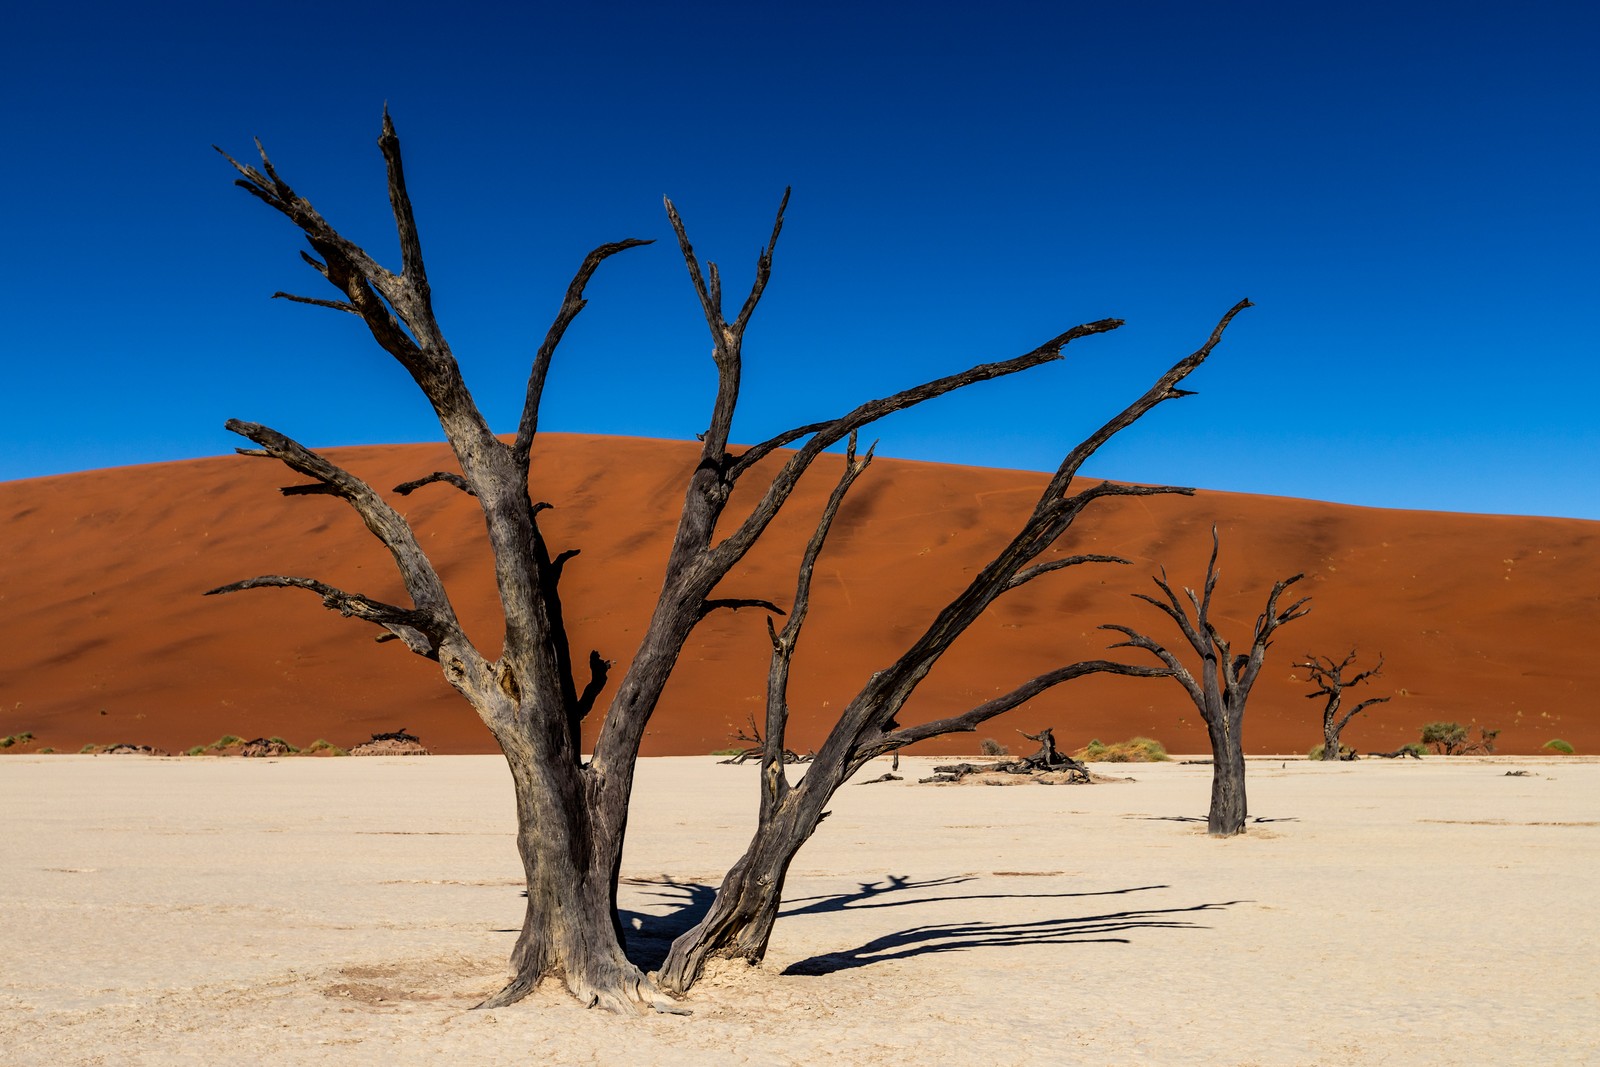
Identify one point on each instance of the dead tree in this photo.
(1330, 682)
(572, 813)
(739, 922)
(757, 746)
(1224, 683)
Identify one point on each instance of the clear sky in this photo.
(1407, 190)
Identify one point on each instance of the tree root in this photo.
(631, 994)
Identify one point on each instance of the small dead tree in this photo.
(572, 813)
(1225, 680)
(1330, 682)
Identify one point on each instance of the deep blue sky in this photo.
(1408, 191)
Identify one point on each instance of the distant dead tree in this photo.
(1225, 680)
(571, 812)
(1330, 682)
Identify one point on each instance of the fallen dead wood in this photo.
(758, 745)
(1048, 760)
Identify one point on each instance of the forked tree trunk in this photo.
(572, 815)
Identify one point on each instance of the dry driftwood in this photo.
(1047, 760)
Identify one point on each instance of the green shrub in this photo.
(226, 741)
(197, 750)
(280, 741)
(85, 750)
(46, 750)
(1133, 750)
(15, 739)
(1555, 744)
(990, 747)
(319, 745)
(726, 751)
(1345, 752)
(1447, 738)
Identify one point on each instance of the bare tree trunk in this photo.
(1229, 805)
(570, 927)
(1331, 745)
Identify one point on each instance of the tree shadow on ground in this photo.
(961, 937)
(649, 935)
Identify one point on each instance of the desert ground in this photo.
(205, 911)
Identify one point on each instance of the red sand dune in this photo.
(106, 638)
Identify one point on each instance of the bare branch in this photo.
(832, 430)
(1029, 574)
(421, 580)
(763, 270)
(599, 671)
(1173, 665)
(407, 488)
(735, 603)
(708, 306)
(1165, 388)
(336, 305)
(571, 305)
(353, 605)
(971, 720)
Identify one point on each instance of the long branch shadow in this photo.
(961, 937)
(649, 935)
(862, 898)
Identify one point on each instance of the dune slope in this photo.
(1483, 619)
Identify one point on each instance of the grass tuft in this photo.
(1133, 750)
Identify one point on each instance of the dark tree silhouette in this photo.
(1225, 680)
(1330, 682)
(572, 812)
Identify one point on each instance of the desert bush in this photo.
(15, 739)
(990, 747)
(86, 749)
(46, 750)
(320, 745)
(280, 741)
(1345, 752)
(226, 741)
(1447, 738)
(1555, 744)
(1450, 739)
(726, 751)
(1133, 750)
(197, 750)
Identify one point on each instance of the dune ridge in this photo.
(1482, 619)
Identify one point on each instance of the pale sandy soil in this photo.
(351, 911)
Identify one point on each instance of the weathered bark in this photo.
(572, 815)
(1224, 684)
(1330, 682)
